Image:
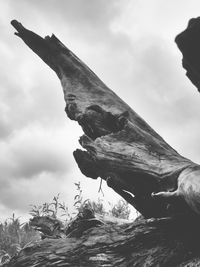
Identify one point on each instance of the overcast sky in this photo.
(130, 46)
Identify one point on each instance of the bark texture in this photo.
(188, 42)
(153, 242)
(121, 148)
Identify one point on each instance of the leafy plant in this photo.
(98, 206)
(120, 210)
(14, 236)
(53, 209)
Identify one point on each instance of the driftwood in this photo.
(121, 148)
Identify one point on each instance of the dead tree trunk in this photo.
(158, 242)
(121, 148)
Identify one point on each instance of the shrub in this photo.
(120, 210)
(14, 236)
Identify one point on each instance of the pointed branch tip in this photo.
(18, 26)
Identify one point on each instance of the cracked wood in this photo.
(119, 146)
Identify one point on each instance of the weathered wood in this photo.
(188, 42)
(136, 162)
(48, 226)
(154, 242)
(120, 147)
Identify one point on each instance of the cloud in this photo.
(164, 85)
(89, 20)
(18, 196)
(36, 151)
(36, 164)
(33, 150)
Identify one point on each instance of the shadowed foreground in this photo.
(156, 242)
